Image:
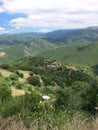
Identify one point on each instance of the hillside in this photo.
(75, 54)
(74, 36)
(14, 39)
(35, 90)
(30, 44)
(65, 36)
(30, 48)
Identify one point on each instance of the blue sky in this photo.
(46, 15)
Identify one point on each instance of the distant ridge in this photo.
(93, 27)
(74, 36)
(32, 43)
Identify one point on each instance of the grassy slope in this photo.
(30, 48)
(80, 54)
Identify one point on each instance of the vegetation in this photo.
(73, 36)
(43, 94)
(76, 54)
(72, 96)
(26, 48)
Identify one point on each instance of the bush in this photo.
(13, 77)
(48, 81)
(31, 73)
(4, 66)
(19, 85)
(34, 80)
(12, 107)
(20, 74)
(5, 92)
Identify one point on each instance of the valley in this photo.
(61, 65)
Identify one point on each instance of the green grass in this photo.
(30, 48)
(85, 54)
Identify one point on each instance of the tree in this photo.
(34, 80)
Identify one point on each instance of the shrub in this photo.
(13, 77)
(12, 107)
(31, 73)
(48, 81)
(5, 92)
(19, 85)
(20, 74)
(34, 80)
(4, 66)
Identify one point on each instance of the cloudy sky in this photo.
(46, 15)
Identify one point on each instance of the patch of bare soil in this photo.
(72, 67)
(5, 73)
(17, 92)
(2, 54)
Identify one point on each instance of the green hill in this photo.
(13, 39)
(78, 54)
(30, 48)
(30, 44)
(35, 90)
(50, 71)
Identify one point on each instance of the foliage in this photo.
(20, 74)
(70, 92)
(34, 80)
(13, 77)
(4, 66)
(95, 69)
(71, 54)
(5, 92)
(18, 85)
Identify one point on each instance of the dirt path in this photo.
(5, 73)
(72, 67)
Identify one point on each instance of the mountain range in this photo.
(63, 45)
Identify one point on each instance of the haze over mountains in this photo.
(65, 36)
(14, 46)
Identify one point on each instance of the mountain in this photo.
(30, 44)
(78, 53)
(28, 48)
(65, 36)
(72, 36)
(13, 39)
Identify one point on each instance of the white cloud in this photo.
(34, 6)
(56, 20)
(52, 13)
(2, 29)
